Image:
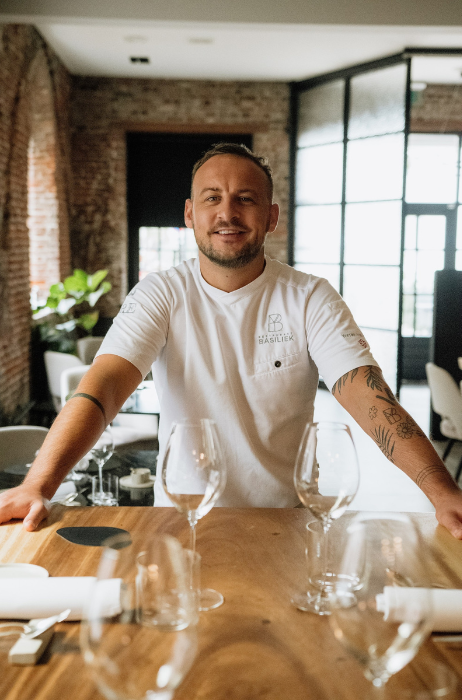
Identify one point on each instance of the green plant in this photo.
(61, 316)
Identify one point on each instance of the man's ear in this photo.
(273, 218)
(188, 207)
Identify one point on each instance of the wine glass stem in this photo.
(192, 537)
(100, 469)
(325, 549)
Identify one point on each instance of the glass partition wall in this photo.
(377, 194)
(349, 159)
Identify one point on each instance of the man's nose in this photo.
(228, 210)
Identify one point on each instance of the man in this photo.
(239, 338)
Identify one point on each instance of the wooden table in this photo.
(256, 646)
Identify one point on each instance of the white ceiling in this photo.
(227, 51)
(200, 39)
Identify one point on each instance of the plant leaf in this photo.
(95, 280)
(57, 290)
(87, 321)
(65, 305)
(94, 296)
(67, 326)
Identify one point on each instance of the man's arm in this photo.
(101, 393)
(366, 396)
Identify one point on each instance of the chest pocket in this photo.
(277, 364)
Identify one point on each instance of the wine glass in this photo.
(137, 635)
(193, 477)
(101, 451)
(326, 480)
(380, 624)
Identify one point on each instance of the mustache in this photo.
(234, 223)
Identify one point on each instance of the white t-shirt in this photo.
(247, 359)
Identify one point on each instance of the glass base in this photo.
(103, 501)
(210, 599)
(312, 602)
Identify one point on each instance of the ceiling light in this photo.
(135, 38)
(200, 40)
(140, 59)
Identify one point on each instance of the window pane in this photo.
(427, 264)
(378, 102)
(407, 326)
(329, 272)
(459, 260)
(375, 168)
(372, 293)
(432, 168)
(460, 175)
(320, 114)
(319, 174)
(409, 271)
(384, 346)
(431, 232)
(373, 233)
(459, 229)
(410, 232)
(424, 315)
(317, 234)
(161, 248)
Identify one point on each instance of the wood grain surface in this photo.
(256, 646)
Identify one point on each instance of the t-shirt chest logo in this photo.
(275, 334)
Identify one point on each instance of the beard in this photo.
(232, 260)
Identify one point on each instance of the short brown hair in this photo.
(235, 149)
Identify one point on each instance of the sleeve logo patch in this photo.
(128, 308)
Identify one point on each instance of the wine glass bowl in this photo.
(100, 453)
(326, 480)
(381, 632)
(194, 477)
(138, 635)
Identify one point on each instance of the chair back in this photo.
(88, 347)
(446, 399)
(55, 364)
(70, 379)
(19, 443)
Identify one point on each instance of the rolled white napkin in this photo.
(64, 489)
(401, 604)
(28, 598)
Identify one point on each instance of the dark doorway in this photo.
(159, 169)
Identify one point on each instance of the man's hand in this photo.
(24, 502)
(448, 511)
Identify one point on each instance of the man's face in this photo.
(230, 210)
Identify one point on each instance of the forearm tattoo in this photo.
(432, 469)
(383, 439)
(93, 399)
(402, 425)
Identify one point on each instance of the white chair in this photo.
(19, 443)
(88, 347)
(55, 364)
(126, 428)
(446, 400)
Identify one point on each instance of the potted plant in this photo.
(69, 310)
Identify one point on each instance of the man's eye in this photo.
(246, 199)
(212, 198)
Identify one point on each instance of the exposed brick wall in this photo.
(24, 62)
(104, 109)
(437, 108)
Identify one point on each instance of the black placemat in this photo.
(90, 536)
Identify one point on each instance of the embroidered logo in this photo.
(128, 308)
(274, 323)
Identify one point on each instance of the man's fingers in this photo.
(37, 512)
(452, 522)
